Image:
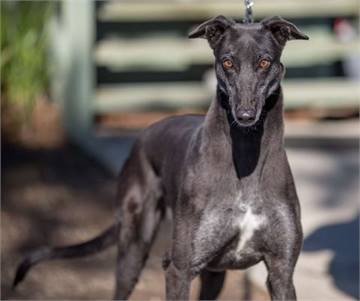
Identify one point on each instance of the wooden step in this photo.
(327, 93)
(162, 53)
(132, 97)
(345, 129)
(195, 10)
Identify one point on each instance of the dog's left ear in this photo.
(283, 30)
(212, 30)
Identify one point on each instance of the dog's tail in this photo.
(97, 244)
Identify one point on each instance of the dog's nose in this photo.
(246, 115)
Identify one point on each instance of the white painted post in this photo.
(78, 32)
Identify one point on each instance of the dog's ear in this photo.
(212, 30)
(283, 30)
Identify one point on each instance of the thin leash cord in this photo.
(248, 11)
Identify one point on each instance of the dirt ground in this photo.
(56, 197)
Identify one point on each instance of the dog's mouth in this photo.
(242, 123)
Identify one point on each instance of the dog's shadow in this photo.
(343, 240)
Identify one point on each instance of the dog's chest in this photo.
(248, 223)
(231, 231)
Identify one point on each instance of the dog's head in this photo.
(247, 61)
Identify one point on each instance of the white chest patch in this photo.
(248, 224)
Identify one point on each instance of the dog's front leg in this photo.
(177, 283)
(284, 242)
(179, 270)
(280, 278)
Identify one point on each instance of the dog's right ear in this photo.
(212, 30)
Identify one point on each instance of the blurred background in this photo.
(80, 79)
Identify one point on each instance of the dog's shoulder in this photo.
(177, 121)
(172, 129)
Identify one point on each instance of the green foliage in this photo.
(24, 70)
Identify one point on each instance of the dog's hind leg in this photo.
(141, 211)
(211, 284)
(131, 259)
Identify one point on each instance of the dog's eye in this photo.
(264, 64)
(228, 64)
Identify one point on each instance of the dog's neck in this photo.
(245, 147)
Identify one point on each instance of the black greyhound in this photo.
(225, 176)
